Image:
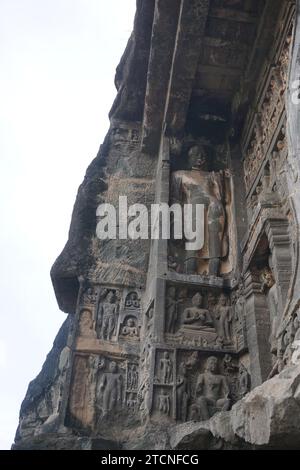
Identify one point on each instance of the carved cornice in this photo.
(269, 107)
(265, 214)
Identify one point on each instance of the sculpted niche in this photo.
(198, 387)
(179, 335)
(109, 390)
(108, 313)
(213, 190)
(202, 317)
(212, 392)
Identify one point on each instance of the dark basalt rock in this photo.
(165, 347)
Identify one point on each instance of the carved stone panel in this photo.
(103, 388)
(129, 329)
(108, 314)
(81, 411)
(130, 317)
(213, 190)
(163, 335)
(89, 295)
(162, 402)
(205, 385)
(86, 327)
(202, 385)
(110, 390)
(269, 114)
(239, 318)
(132, 378)
(164, 367)
(199, 317)
(132, 301)
(148, 321)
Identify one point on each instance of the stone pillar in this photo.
(258, 330)
(159, 322)
(280, 245)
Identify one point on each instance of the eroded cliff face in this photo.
(164, 347)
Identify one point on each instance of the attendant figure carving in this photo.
(130, 329)
(145, 402)
(166, 368)
(164, 403)
(239, 308)
(182, 392)
(212, 189)
(212, 392)
(196, 316)
(132, 300)
(107, 316)
(131, 402)
(244, 381)
(149, 321)
(132, 377)
(171, 310)
(223, 316)
(110, 389)
(86, 327)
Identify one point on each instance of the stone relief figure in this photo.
(196, 316)
(239, 308)
(166, 368)
(192, 360)
(171, 310)
(173, 264)
(182, 392)
(86, 327)
(132, 300)
(244, 381)
(212, 392)
(144, 400)
(229, 365)
(149, 321)
(197, 186)
(223, 317)
(164, 403)
(130, 329)
(219, 343)
(107, 316)
(131, 402)
(270, 289)
(132, 377)
(110, 389)
(145, 355)
(212, 301)
(119, 133)
(89, 294)
(83, 391)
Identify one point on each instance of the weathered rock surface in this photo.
(168, 346)
(36, 406)
(268, 417)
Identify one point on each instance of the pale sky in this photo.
(57, 62)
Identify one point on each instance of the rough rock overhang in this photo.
(188, 65)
